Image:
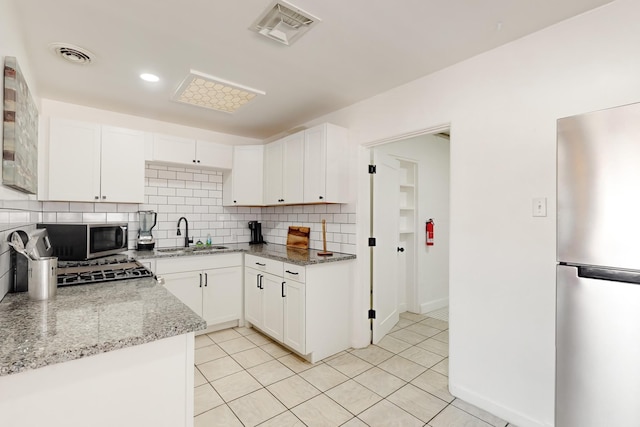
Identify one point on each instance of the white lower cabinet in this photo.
(211, 285)
(305, 308)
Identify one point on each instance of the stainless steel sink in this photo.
(180, 250)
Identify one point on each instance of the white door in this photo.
(272, 291)
(385, 229)
(74, 161)
(187, 287)
(222, 295)
(214, 155)
(273, 173)
(253, 311)
(122, 166)
(294, 316)
(293, 168)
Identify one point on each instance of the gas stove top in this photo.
(100, 270)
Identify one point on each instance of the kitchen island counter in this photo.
(283, 253)
(89, 319)
(106, 354)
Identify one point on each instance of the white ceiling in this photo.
(361, 48)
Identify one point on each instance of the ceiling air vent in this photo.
(283, 22)
(71, 53)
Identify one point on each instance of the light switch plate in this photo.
(539, 206)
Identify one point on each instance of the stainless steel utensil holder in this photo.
(43, 278)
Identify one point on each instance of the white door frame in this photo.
(362, 333)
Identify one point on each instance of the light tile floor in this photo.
(243, 378)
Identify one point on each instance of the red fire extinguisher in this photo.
(430, 225)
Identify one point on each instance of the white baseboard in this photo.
(402, 307)
(437, 304)
(507, 414)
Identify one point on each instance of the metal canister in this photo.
(43, 278)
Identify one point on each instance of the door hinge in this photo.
(372, 168)
(372, 241)
(372, 314)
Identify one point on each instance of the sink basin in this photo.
(180, 250)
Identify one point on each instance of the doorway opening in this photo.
(409, 188)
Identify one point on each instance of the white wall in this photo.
(17, 209)
(502, 107)
(431, 153)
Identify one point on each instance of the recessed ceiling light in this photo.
(149, 77)
(203, 90)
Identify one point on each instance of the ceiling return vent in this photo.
(283, 22)
(72, 53)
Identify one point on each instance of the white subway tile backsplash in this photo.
(94, 217)
(196, 194)
(127, 207)
(175, 183)
(47, 217)
(167, 174)
(117, 217)
(155, 182)
(55, 206)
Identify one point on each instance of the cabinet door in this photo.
(273, 173)
(173, 149)
(246, 184)
(315, 164)
(272, 291)
(214, 155)
(74, 161)
(222, 295)
(252, 297)
(187, 287)
(293, 168)
(294, 316)
(122, 177)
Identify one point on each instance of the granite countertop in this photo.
(272, 251)
(88, 319)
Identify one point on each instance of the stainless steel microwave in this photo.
(76, 242)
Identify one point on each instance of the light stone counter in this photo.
(277, 252)
(87, 320)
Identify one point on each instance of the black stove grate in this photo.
(100, 270)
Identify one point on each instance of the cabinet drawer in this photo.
(263, 264)
(293, 272)
(197, 262)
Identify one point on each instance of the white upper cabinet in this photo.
(185, 151)
(122, 165)
(89, 163)
(325, 164)
(284, 170)
(243, 184)
(273, 173)
(212, 155)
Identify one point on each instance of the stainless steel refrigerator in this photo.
(598, 272)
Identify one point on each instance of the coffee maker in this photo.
(146, 242)
(256, 232)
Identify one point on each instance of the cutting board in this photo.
(298, 237)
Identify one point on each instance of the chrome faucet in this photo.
(187, 240)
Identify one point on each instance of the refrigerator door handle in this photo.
(609, 274)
